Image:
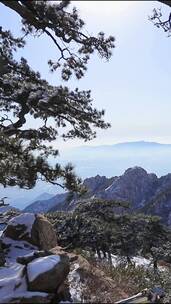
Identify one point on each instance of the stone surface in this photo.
(43, 234)
(59, 250)
(47, 280)
(89, 284)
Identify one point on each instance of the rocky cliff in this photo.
(144, 191)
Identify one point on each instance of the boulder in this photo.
(46, 274)
(35, 229)
(43, 234)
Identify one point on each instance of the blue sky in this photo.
(134, 87)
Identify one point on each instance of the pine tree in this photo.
(24, 150)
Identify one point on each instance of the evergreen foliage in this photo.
(24, 150)
(95, 226)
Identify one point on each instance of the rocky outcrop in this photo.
(98, 183)
(31, 275)
(90, 284)
(136, 186)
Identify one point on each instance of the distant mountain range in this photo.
(20, 198)
(104, 160)
(110, 160)
(144, 191)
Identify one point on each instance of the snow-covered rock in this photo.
(28, 274)
(40, 265)
(15, 248)
(26, 219)
(47, 273)
(12, 280)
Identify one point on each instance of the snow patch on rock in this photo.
(138, 260)
(26, 219)
(141, 261)
(41, 265)
(75, 284)
(5, 209)
(17, 248)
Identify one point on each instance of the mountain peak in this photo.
(136, 170)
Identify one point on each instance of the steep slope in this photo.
(135, 186)
(42, 206)
(160, 204)
(60, 202)
(98, 183)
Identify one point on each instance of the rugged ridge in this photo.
(135, 186)
(43, 206)
(145, 192)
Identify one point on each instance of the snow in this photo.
(5, 209)
(2, 227)
(75, 285)
(17, 248)
(25, 294)
(138, 260)
(26, 219)
(41, 265)
(12, 280)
